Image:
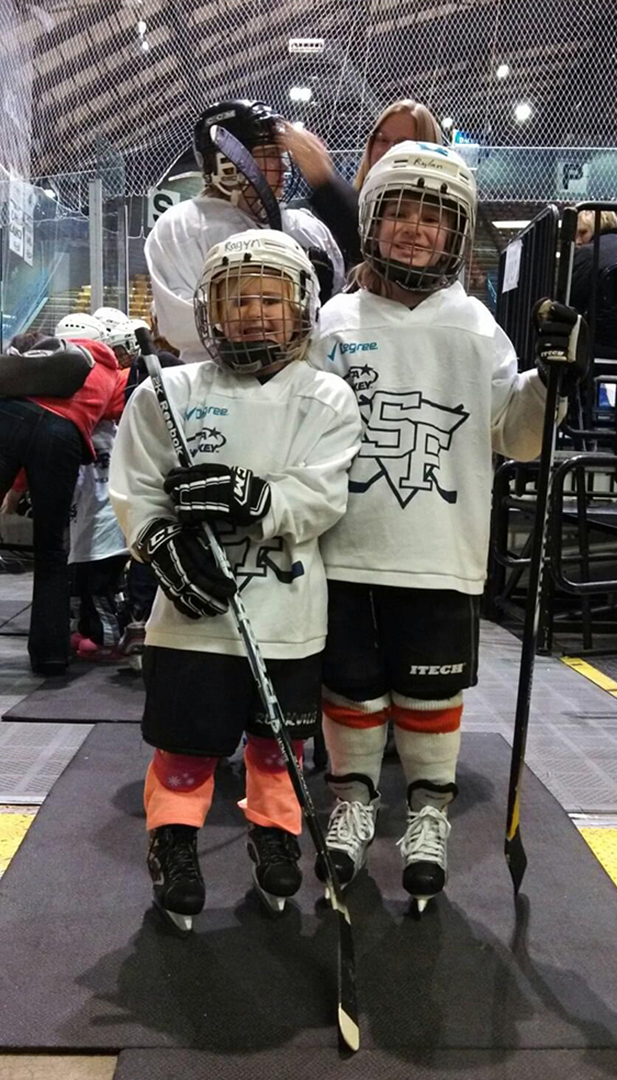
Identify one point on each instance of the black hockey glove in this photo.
(218, 493)
(185, 568)
(562, 338)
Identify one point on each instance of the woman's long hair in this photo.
(426, 125)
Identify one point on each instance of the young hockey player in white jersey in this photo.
(271, 441)
(177, 246)
(438, 387)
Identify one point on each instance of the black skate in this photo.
(179, 890)
(276, 873)
(424, 846)
(351, 828)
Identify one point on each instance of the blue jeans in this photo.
(51, 449)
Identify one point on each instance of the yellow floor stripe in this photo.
(13, 828)
(603, 843)
(605, 682)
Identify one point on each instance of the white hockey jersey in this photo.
(300, 431)
(94, 530)
(177, 247)
(438, 389)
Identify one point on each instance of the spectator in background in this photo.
(98, 556)
(50, 437)
(332, 198)
(583, 283)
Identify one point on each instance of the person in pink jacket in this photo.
(50, 437)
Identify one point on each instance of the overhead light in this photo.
(447, 123)
(300, 93)
(142, 27)
(522, 111)
(298, 125)
(145, 46)
(51, 194)
(503, 71)
(510, 224)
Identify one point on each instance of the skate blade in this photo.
(275, 905)
(180, 924)
(418, 905)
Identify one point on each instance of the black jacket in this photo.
(583, 284)
(336, 203)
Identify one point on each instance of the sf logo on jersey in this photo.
(405, 437)
(250, 559)
(206, 441)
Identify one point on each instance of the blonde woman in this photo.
(332, 198)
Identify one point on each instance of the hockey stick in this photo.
(514, 850)
(347, 1014)
(245, 163)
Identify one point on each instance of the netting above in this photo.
(138, 72)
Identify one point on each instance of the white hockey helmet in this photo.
(110, 317)
(252, 335)
(439, 180)
(81, 325)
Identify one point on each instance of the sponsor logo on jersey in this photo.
(352, 347)
(206, 441)
(436, 669)
(407, 436)
(199, 412)
(361, 378)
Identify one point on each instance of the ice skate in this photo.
(424, 845)
(276, 873)
(351, 828)
(178, 885)
(132, 644)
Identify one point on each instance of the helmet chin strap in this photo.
(249, 357)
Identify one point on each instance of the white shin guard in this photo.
(355, 750)
(428, 756)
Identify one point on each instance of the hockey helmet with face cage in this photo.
(244, 319)
(252, 122)
(442, 185)
(80, 324)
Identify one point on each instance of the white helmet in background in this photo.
(81, 325)
(110, 316)
(122, 335)
(250, 343)
(443, 186)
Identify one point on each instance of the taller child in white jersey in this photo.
(177, 246)
(438, 387)
(271, 442)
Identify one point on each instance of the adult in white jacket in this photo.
(271, 440)
(438, 387)
(177, 246)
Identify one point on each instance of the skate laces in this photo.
(276, 845)
(351, 825)
(425, 837)
(182, 859)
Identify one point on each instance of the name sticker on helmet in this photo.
(240, 245)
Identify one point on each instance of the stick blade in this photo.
(347, 1015)
(516, 859)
